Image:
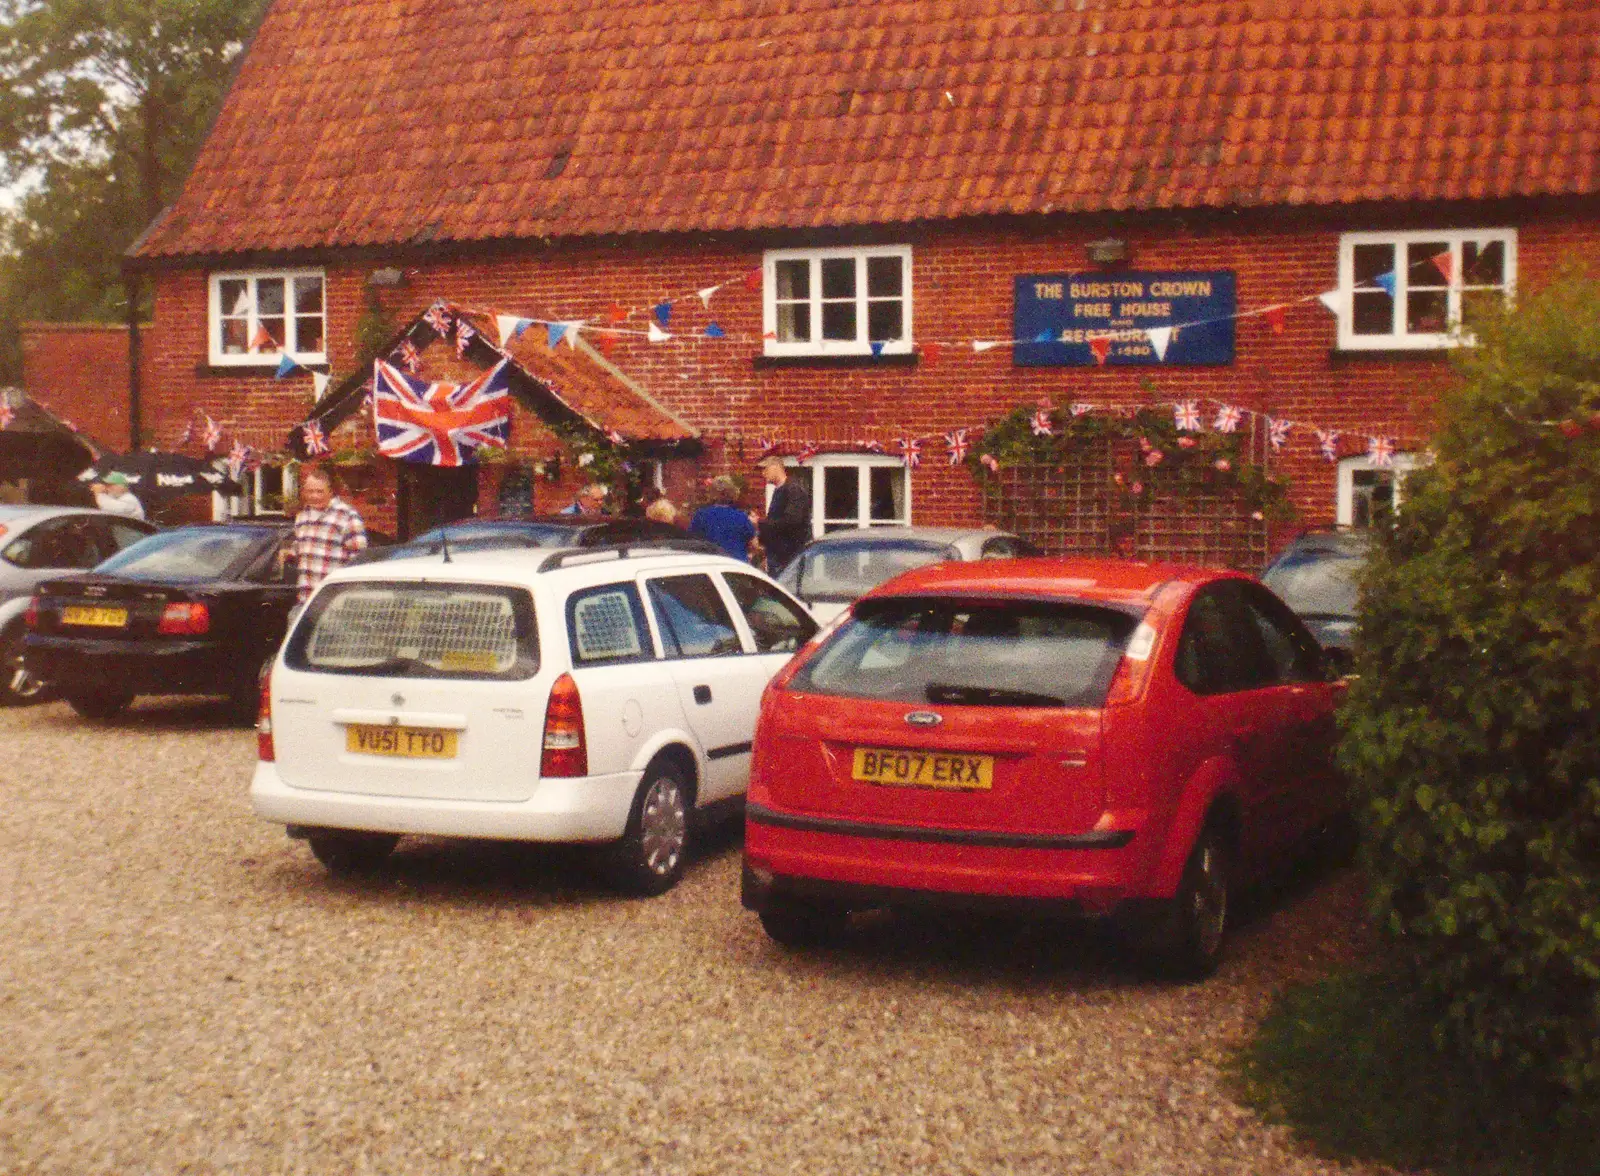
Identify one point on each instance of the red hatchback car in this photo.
(1092, 737)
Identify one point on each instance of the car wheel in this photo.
(346, 852)
(18, 686)
(651, 856)
(100, 705)
(1186, 938)
(798, 922)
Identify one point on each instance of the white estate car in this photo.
(593, 695)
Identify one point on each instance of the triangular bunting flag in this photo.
(1445, 264)
(705, 295)
(1044, 337)
(981, 345)
(663, 312)
(605, 343)
(714, 331)
(554, 333)
(656, 334)
(1333, 300)
(1275, 318)
(1100, 346)
(287, 367)
(319, 383)
(1386, 281)
(877, 346)
(1159, 338)
(930, 352)
(262, 340)
(615, 314)
(752, 279)
(511, 327)
(574, 326)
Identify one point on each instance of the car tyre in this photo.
(651, 856)
(345, 852)
(1185, 938)
(99, 705)
(799, 922)
(18, 686)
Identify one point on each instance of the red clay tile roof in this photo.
(361, 122)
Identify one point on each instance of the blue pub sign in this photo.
(1067, 320)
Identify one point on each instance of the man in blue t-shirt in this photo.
(724, 523)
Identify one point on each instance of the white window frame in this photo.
(859, 461)
(224, 508)
(214, 317)
(1399, 338)
(1345, 502)
(817, 345)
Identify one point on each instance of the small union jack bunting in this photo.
(1328, 439)
(6, 415)
(615, 437)
(439, 319)
(1042, 424)
(464, 337)
(911, 450)
(188, 433)
(1080, 407)
(807, 450)
(316, 440)
(1186, 413)
(238, 456)
(408, 356)
(1277, 432)
(1380, 451)
(212, 435)
(872, 446)
(768, 446)
(1228, 418)
(958, 443)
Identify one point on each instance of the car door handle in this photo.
(702, 694)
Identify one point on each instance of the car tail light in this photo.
(1134, 669)
(264, 748)
(181, 617)
(30, 618)
(565, 753)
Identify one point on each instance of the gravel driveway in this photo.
(182, 989)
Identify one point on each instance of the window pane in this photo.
(1372, 313)
(235, 336)
(843, 569)
(793, 279)
(269, 296)
(776, 625)
(839, 320)
(1483, 263)
(308, 295)
(1372, 496)
(888, 494)
(885, 321)
(884, 277)
(273, 327)
(606, 625)
(1428, 264)
(794, 322)
(308, 334)
(841, 493)
(1372, 260)
(839, 277)
(692, 613)
(234, 296)
(1426, 311)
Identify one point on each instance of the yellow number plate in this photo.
(476, 663)
(107, 618)
(923, 769)
(414, 742)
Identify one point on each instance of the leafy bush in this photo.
(1473, 732)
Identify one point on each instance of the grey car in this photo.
(37, 542)
(834, 570)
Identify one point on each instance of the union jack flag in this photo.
(1328, 439)
(958, 443)
(212, 435)
(1277, 432)
(1079, 407)
(1187, 415)
(316, 440)
(615, 437)
(872, 446)
(238, 458)
(911, 450)
(1380, 451)
(439, 424)
(188, 432)
(464, 337)
(768, 446)
(1041, 424)
(408, 355)
(439, 319)
(1228, 418)
(807, 450)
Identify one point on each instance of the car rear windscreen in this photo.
(845, 570)
(187, 554)
(1317, 583)
(966, 653)
(411, 630)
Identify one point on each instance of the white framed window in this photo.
(1413, 290)
(257, 318)
(269, 490)
(1369, 493)
(844, 301)
(854, 490)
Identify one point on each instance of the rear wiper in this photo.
(988, 696)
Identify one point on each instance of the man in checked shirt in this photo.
(327, 531)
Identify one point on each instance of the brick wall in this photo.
(962, 288)
(79, 371)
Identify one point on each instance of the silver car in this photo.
(37, 542)
(834, 570)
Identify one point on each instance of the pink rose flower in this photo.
(1186, 442)
(1223, 464)
(1154, 457)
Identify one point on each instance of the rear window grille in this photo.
(402, 629)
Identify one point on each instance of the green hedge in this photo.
(1473, 732)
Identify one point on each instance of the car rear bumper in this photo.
(144, 667)
(588, 808)
(859, 864)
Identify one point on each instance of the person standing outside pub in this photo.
(723, 523)
(590, 501)
(113, 496)
(327, 532)
(787, 527)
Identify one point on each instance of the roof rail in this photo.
(560, 559)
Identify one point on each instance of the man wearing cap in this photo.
(113, 496)
(787, 527)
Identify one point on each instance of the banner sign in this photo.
(1122, 318)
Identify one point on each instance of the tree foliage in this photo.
(1473, 732)
(103, 104)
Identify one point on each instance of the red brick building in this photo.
(79, 371)
(828, 227)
